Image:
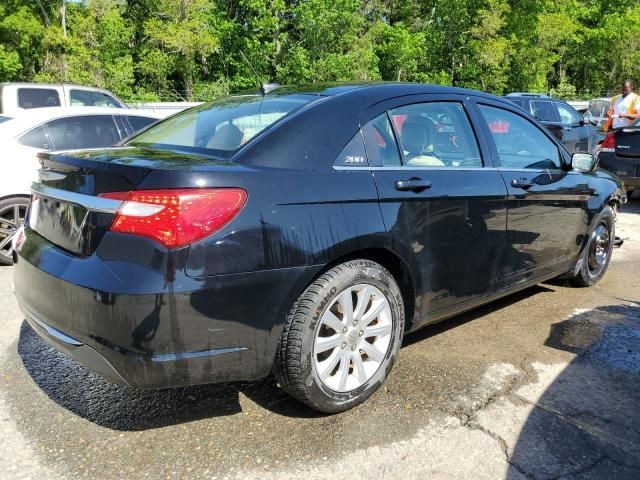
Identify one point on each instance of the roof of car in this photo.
(50, 85)
(23, 120)
(375, 89)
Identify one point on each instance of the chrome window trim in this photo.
(91, 202)
(423, 169)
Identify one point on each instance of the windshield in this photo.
(221, 127)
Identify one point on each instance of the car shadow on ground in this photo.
(585, 424)
(93, 398)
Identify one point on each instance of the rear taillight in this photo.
(176, 217)
(609, 143)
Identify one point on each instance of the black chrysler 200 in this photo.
(302, 232)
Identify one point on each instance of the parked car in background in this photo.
(26, 133)
(303, 232)
(566, 124)
(596, 114)
(24, 96)
(620, 153)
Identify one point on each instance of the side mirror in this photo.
(583, 162)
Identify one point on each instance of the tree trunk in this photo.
(63, 21)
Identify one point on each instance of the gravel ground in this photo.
(542, 384)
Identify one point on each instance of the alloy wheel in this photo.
(352, 338)
(11, 218)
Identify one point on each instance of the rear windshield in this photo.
(221, 127)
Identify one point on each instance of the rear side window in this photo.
(91, 131)
(38, 98)
(544, 111)
(380, 143)
(436, 134)
(353, 154)
(86, 98)
(36, 138)
(138, 123)
(519, 142)
(222, 127)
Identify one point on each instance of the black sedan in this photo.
(620, 153)
(302, 232)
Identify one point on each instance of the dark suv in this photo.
(566, 124)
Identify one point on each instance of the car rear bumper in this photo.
(189, 331)
(627, 168)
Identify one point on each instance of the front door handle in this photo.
(521, 182)
(414, 184)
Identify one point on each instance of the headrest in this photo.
(415, 136)
(227, 137)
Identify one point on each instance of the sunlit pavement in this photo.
(543, 384)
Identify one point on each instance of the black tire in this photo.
(589, 270)
(9, 208)
(629, 194)
(295, 367)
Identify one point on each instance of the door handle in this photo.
(521, 182)
(412, 185)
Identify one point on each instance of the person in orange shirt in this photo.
(625, 108)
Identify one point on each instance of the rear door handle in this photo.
(412, 185)
(521, 182)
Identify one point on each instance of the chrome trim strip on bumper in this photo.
(57, 334)
(91, 202)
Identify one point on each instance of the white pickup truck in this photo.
(23, 96)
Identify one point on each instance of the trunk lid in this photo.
(66, 208)
(628, 142)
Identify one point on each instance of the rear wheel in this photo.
(12, 213)
(596, 256)
(341, 337)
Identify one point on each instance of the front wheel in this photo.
(596, 256)
(341, 337)
(12, 213)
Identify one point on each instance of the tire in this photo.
(309, 345)
(629, 195)
(12, 212)
(596, 256)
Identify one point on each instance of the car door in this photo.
(444, 208)
(576, 133)
(545, 112)
(547, 201)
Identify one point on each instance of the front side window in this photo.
(89, 131)
(544, 111)
(38, 98)
(436, 134)
(568, 116)
(380, 142)
(223, 126)
(519, 142)
(36, 138)
(86, 98)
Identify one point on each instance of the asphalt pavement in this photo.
(544, 384)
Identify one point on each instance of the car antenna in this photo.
(264, 87)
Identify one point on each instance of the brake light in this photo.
(609, 143)
(176, 217)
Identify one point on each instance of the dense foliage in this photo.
(193, 49)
